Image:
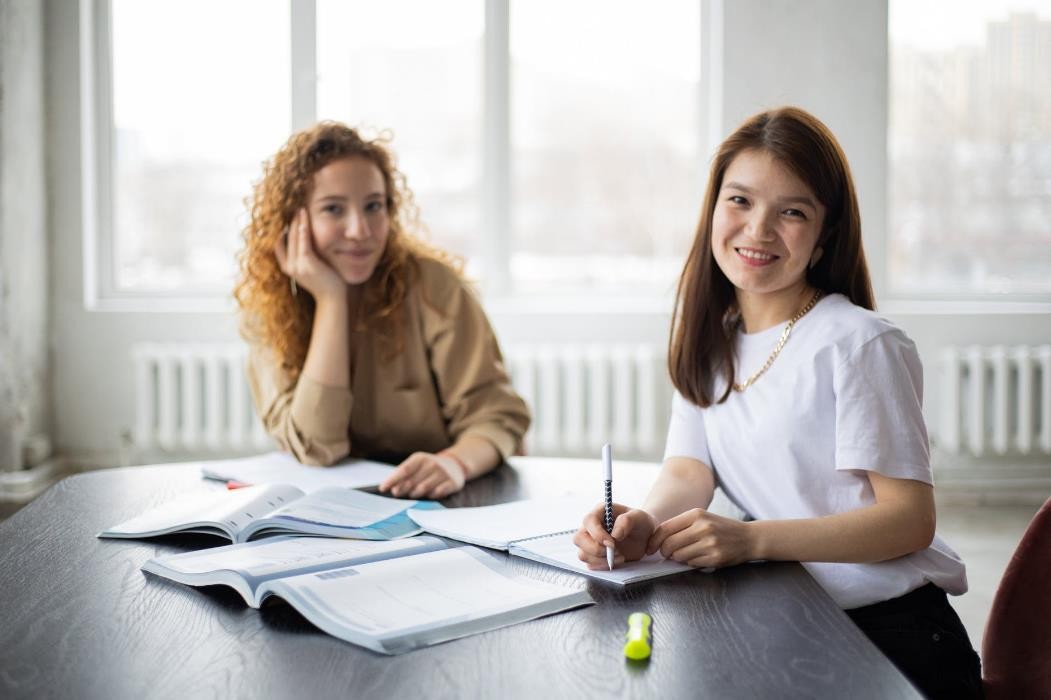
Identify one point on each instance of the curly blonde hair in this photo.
(270, 313)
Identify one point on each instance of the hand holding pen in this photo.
(613, 533)
(632, 528)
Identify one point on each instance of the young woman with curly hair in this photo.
(803, 405)
(364, 340)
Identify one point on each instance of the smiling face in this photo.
(765, 226)
(349, 218)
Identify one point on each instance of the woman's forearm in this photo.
(884, 530)
(476, 455)
(682, 484)
(327, 361)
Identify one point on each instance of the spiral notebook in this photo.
(537, 529)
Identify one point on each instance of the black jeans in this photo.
(923, 636)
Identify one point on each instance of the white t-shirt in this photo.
(843, 397)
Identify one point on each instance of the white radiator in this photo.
(996, 400)
(194, 398)
(585, 395)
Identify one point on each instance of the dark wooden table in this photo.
(78, 619)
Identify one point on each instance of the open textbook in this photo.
(259, 511)
(390, 597)
(539, 529)
(281, 468)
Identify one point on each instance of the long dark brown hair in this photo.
(701, 345)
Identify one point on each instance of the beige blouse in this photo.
(448, 381)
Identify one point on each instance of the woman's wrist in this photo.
(333, 301)
(658, 513)
(456, 459)
(757, 539)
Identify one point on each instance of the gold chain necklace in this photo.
(780, 343)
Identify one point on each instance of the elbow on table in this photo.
(316, 454)
(329, 455)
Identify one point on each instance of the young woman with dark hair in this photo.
(803, 405)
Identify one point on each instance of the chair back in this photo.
(1016, 648)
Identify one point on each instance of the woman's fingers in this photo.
(671, 526)
(595, 525)
(301, 236)
(629, 527)
(589, 547)
(305, 265)
(424, 475)
(403, 477)
(591, 552)
(600, 563)
(286, 248)
(627, 523)
(692, 553)
(443, 490)
(430, 481)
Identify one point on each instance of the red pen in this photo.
(231, 485)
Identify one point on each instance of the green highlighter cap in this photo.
(638, 644)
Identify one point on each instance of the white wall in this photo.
(24, 385)
(829, 56)
(92, 390)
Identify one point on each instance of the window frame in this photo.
(100, 291)
(935, 302)
(99, 284)
(96, 119)
(942, 301)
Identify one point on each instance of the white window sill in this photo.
(972, 307)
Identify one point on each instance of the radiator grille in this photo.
(996, 400)
(194, 398)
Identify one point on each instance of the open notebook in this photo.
(390, 597)
(258, 511)
(539, 529)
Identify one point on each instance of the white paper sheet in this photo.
(281, 468)
(561, 552)
(500, 525)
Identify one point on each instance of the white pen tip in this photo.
(609, 558)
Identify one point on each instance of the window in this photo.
(604, 144)
(420, 81)
(970, 148)
(603, 127)
(194, 111)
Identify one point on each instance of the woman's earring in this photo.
(818, 252)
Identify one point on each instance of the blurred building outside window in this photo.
(970, 148)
